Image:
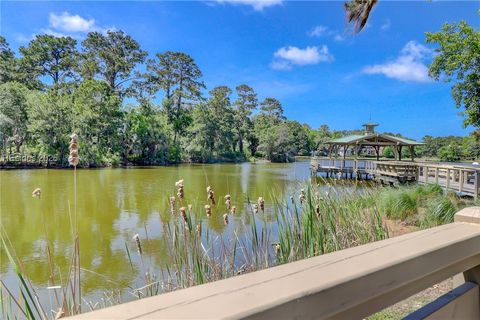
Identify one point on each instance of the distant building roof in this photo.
(372, 139)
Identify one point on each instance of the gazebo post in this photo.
(412, 153)
(400, 153)
(377, 151)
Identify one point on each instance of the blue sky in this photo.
(302, 53)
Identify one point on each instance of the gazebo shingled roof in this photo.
(375, 140)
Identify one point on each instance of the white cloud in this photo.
(257, 5)
(409, 66)
(67, 24)
(319, 31)
(339, 38)
(71, 23)
(280, 65)
(322, 31)
(386, 25)
(286, 57)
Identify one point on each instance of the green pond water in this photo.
(112, 205)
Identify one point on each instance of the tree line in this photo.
(160, 115)
(129, 108)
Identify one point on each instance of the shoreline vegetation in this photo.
(316, 219)
(134, 108)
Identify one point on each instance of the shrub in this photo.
(397, 204)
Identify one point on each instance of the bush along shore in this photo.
(316, 219)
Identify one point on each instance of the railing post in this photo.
(476, 184)
(436, 175)
(470, 215)
(460, 181)
(448, 179)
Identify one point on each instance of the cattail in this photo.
(228, 201)
(183, 213)
(37, 193)
(261, 204)
(233, 210)
(301, 197)
(292, 199)
(73, 157)
(136, 238)
(208, 210)
(210, 195)
(255, 208)
(179, 186)
(225, 218)
(317, 210)
(190, 207)
(172, 204)
(199, 229)
(277, 248)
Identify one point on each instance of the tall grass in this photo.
(315, 219)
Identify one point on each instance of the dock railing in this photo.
(460, 178)
(347, 284)
(464, 179)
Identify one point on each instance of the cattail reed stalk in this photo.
(301, 197)
(136, 238)
(73, 158)
(210, 195)
(172, 204)
(183, 213)
(225, 218)
(37, 193)
(277, 248)
(228, 201)
(317, 210)
(199, 229)
(208, 210)
(292, 200)
(180, 191)
(255, 208)
(233, 210)
(261, 203)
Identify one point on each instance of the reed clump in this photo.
(326, 218)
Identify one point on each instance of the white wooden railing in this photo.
(347, 284)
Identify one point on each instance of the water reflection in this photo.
(113, 205)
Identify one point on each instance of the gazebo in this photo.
(370, 138)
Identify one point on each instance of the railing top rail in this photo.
(351, 283)
(449, 166)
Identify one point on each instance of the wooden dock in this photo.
(463, 179)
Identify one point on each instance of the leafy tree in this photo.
(178, 76)
(12, 70)
(388, 152)
(97, 121)
(458, 60)
(211, 131)
(244, 105)
(13, 113)
(51, 123)
(145, 139)
(358, 12)
(272, 109)
(47, 55)
(450, 153)
(113, 57)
